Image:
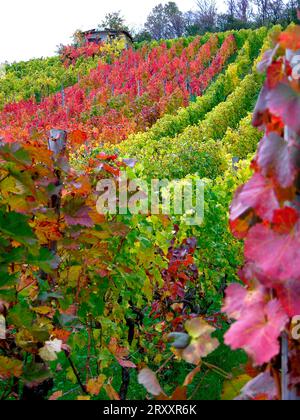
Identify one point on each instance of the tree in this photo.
(291, 11)
(276, 11)
(78, 38)
(231, 8)
(114, 21)
(227, 22)
(192, 26)
(165, 22)
(270, 11)
(243, 10)
(207, 15)
(155, 23)
(142, 36)
(174, 20)
(262, 11)
(237, 16)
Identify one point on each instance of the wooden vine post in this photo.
(288, 393)
(57, 144)
(63, 97)
(138, 88)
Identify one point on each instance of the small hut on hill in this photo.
(107, 35)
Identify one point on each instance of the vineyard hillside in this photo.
(94, 304)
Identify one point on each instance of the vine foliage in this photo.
(265, 213)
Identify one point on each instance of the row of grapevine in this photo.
(265, 213)
(126, 96)
(39, 78)
(56, 316)
(197, 148)
(69, 276)
(242, 141)
(249, 43)
(54, 305)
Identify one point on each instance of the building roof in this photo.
(105, 31)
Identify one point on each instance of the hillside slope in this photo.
(162, 91)
(191, 140)
(183, 110)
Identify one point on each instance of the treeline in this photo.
(168, 21)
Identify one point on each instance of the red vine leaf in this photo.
(276, 255)
(104, 156)
(78, 137)
(82, 218)
(258, 330)
(257, 195)
(290, 39)
(94, 386)
(289, 295)
(267, 60)
(148, 379)
(285, 219)
(239, 299)
(180, 394)
(126, 363)
(263, 387)
(284, 102)
(274, 158)
(190, 377)
(56, 395)
(275, 74)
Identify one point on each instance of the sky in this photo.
(34, 28)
